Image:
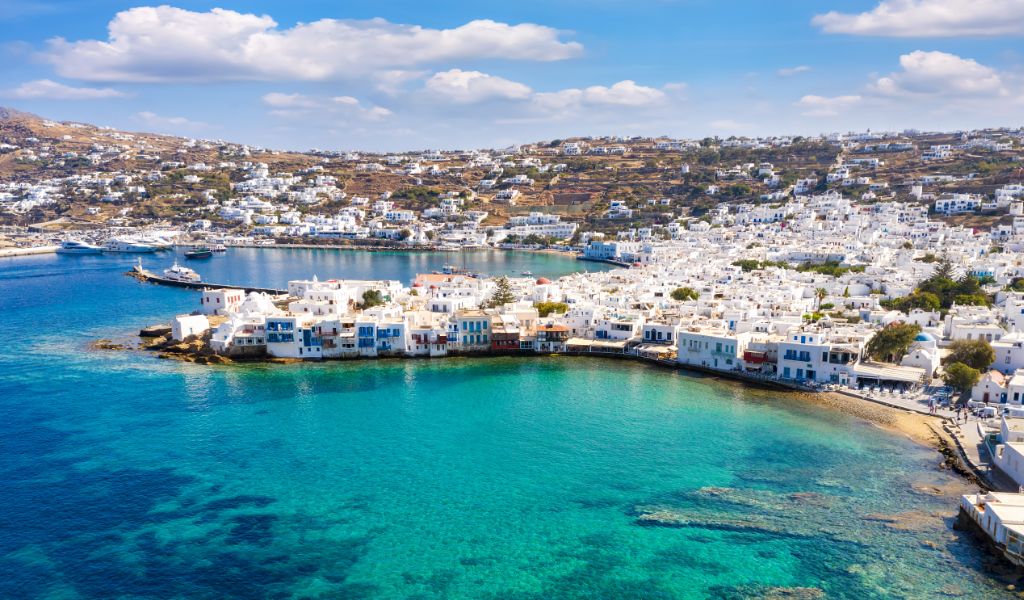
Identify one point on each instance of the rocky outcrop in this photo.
(105, 344)
(195, 349)
(155, 331)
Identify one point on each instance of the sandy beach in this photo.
(923, 429)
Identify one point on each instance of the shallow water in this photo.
(125, 476)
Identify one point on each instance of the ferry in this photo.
(129, 246)
(183, 274)
(202, 252)
(76, 247)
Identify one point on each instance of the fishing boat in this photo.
(183, 274)
(203, 252)
(452, 270)
(76, 247)
(127, 246)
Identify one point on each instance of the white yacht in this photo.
(183, 274)
(157, 242)
(76, 247)
(124, 245)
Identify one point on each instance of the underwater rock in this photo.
(763, 592)
(106, 344)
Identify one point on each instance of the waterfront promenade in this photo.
(9, 252)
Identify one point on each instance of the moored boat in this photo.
(77, 247)
(202, 252)
(179, 273)
(127, 246)
(157, 242)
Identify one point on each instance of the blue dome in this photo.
(924, 337)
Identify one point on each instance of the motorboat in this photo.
(219, 248)
(183, 274)
(77, 247)
(129, 246)
(201, 252)
(527, 274)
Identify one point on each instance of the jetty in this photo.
(142, 274)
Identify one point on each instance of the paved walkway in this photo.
(976, 452)
(917, 402)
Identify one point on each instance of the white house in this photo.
(184, 326)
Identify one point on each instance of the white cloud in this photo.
(277, 99)
(790, 71)
(290, 106)
(159, 122)
(393, 81)
(940, 74)
(473, 86)
(346, 100)
(821, 106)
(625, 93)
(930, 18)
(46, 89)
(164, 43)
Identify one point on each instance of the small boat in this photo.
(202, 252)
(527, 274)
(76, 247)
(183, 274)
(127, 246)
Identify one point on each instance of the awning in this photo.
(655, 349)
(888, 372)
(604, 344)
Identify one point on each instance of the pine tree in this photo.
(502, 294)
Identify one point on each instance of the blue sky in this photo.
(407, 75)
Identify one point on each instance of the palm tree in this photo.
(820, 294)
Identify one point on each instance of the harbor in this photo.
(145, 275)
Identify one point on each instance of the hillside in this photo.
(84, 174)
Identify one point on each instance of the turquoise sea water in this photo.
(124, 476)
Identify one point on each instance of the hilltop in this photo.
(87, 174)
